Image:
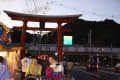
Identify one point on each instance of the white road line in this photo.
(108, 72)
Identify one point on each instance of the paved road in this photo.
(80, 74)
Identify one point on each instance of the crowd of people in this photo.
(32, 68)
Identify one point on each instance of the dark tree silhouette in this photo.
(104, 33)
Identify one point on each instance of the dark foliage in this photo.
(16, 37)
(104, 33)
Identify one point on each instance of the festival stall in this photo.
(7, 50)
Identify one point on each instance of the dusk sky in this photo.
(91, 9)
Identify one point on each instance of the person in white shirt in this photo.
(25, 62)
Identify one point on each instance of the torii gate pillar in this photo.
(23, 36)
(59, 42)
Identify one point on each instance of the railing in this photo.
(71, 48)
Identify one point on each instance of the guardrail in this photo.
(71, 48)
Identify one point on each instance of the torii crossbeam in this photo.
(42, 19)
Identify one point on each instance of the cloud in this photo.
(4, 0)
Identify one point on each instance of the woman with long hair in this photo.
(54, 70)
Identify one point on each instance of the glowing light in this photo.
(0, 46)
(56, 54)
(67, 40)
(3, 53)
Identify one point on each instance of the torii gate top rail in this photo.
(46, 18)
(59, 19)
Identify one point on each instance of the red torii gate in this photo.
(42, 19)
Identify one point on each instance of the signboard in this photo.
(5, 37)
(67, 40)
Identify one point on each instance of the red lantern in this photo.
(0, 46)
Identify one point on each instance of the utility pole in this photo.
(34, 38)
(40, 43)
(111, 55)
(90, 41)
(90, 38)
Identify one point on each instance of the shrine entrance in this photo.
(42, 19)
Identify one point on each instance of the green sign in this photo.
(67, 40)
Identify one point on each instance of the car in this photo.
(117, 67)
(92, 66)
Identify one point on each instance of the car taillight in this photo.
(89, 65)
(97, 66)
